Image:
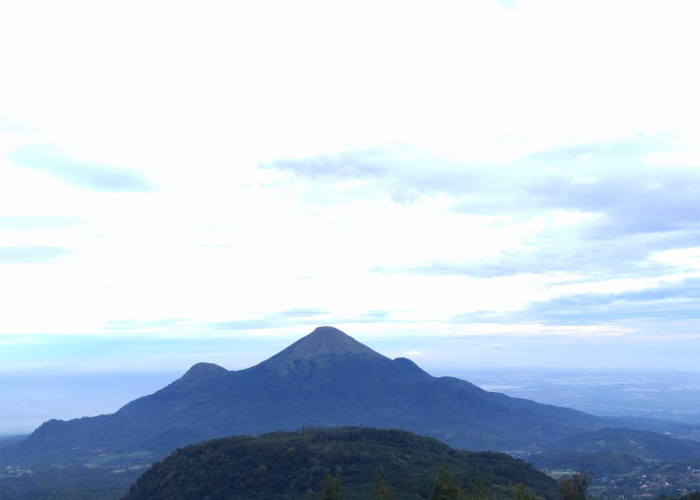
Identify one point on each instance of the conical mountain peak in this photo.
(324, 341)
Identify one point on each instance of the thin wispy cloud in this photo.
(302, 317)
(664, 302)
(87, 175)
(294, 316)
(33, 222)
(347, 165)
(31, 254)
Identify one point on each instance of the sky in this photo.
(466, 184)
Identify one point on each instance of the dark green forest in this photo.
(353, 462)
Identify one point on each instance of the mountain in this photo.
(326, 378)
(294, 464)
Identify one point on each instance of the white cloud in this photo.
(455, 99)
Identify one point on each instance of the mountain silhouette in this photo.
(326, 378)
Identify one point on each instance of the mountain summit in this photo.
(323, 341)
(321, 346)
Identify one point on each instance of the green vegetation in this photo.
(574, 487)
(332, 487)
(346, 462)
(381, 490)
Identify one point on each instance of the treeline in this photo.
(357, 463)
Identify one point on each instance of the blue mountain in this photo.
(326, 378)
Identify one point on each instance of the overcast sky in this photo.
(466, 183)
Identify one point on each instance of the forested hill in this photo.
(365, 463)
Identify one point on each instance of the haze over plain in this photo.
(461, 183)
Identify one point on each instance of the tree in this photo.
(446, 487)
(478, 490)
(574, 487)
(332, 487)
(522, 492)
(382, 491)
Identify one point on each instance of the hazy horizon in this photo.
(28, 398)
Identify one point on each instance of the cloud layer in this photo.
(601, 225)
(436, 177)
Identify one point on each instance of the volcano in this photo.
(325, 379)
